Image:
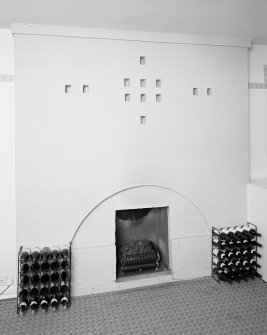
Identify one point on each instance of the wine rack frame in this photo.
(215, 277)
(49, 284)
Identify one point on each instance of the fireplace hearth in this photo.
(141, 240)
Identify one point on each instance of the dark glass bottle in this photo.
(65, 275)
(65, 251)
(65, 264)
(219, 254)
(24, 280)
(23, 304)
(25, 255)
(55, 252)
(35, 278)
(55, 276)
(25, 267)
(46, 253)
(34, 304)
(36, 254)
(55, 264)
(54, 294)
(253, 252)
(45, 278)
(35, 266)
(64, 300)
(45, 266)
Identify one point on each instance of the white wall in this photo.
(257, 214)
(258, 113)
(74, 150)
(7, 165)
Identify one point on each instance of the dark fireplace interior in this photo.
(142, 240)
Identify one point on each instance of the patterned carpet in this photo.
(195, 307)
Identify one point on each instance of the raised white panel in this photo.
(191, 257)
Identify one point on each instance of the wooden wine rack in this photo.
(214, 235)
(31, 273)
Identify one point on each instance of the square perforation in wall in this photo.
(126, 82)
(142, 119)
(158, 82)
(143, 97)
(209, 91)
(127, 97)
(142, 60)
(195, 91)
(142, 83)
(158, 97)
(68, 89)
(86, 89)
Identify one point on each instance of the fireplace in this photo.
(141, 241)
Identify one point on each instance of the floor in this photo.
(195, 307)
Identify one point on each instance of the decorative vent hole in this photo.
(85, 88)
(143, 98)
(158, 82)
(127, 97)
(195, 91)
(142, 82)
(142, 60)
(68, 89)
(209, 91)
(142, 119)
(126, 82)
(158, 97)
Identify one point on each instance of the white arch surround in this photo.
(93, 244)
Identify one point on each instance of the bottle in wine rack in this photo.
(222, 234)
(36, 254)
(221, 274)
(35, 279)
(254, 242)
(55, 252)
(25, 255)
(44, 297)
(55, 276)
(231, 234)
(35, 266)
(25, 267)
(34, 304)
(64, 287)
(253, 252)
(65, 264)
(219, 254)
(219, 243)
(54, 294)
(23, 304)
(251, 231)
(46, 253)
(65, 251)
(55, 264)
(64, 299)
(236, 252)
(237, 243)
(45, 266)
(254, 273)
(24, 280)
(65, 275)
(45, 278)
(33, 291)
(252, 261)
(219, 264)
(244, 252)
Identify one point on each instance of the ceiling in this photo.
(237, 18)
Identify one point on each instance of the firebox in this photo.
(141, 240)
